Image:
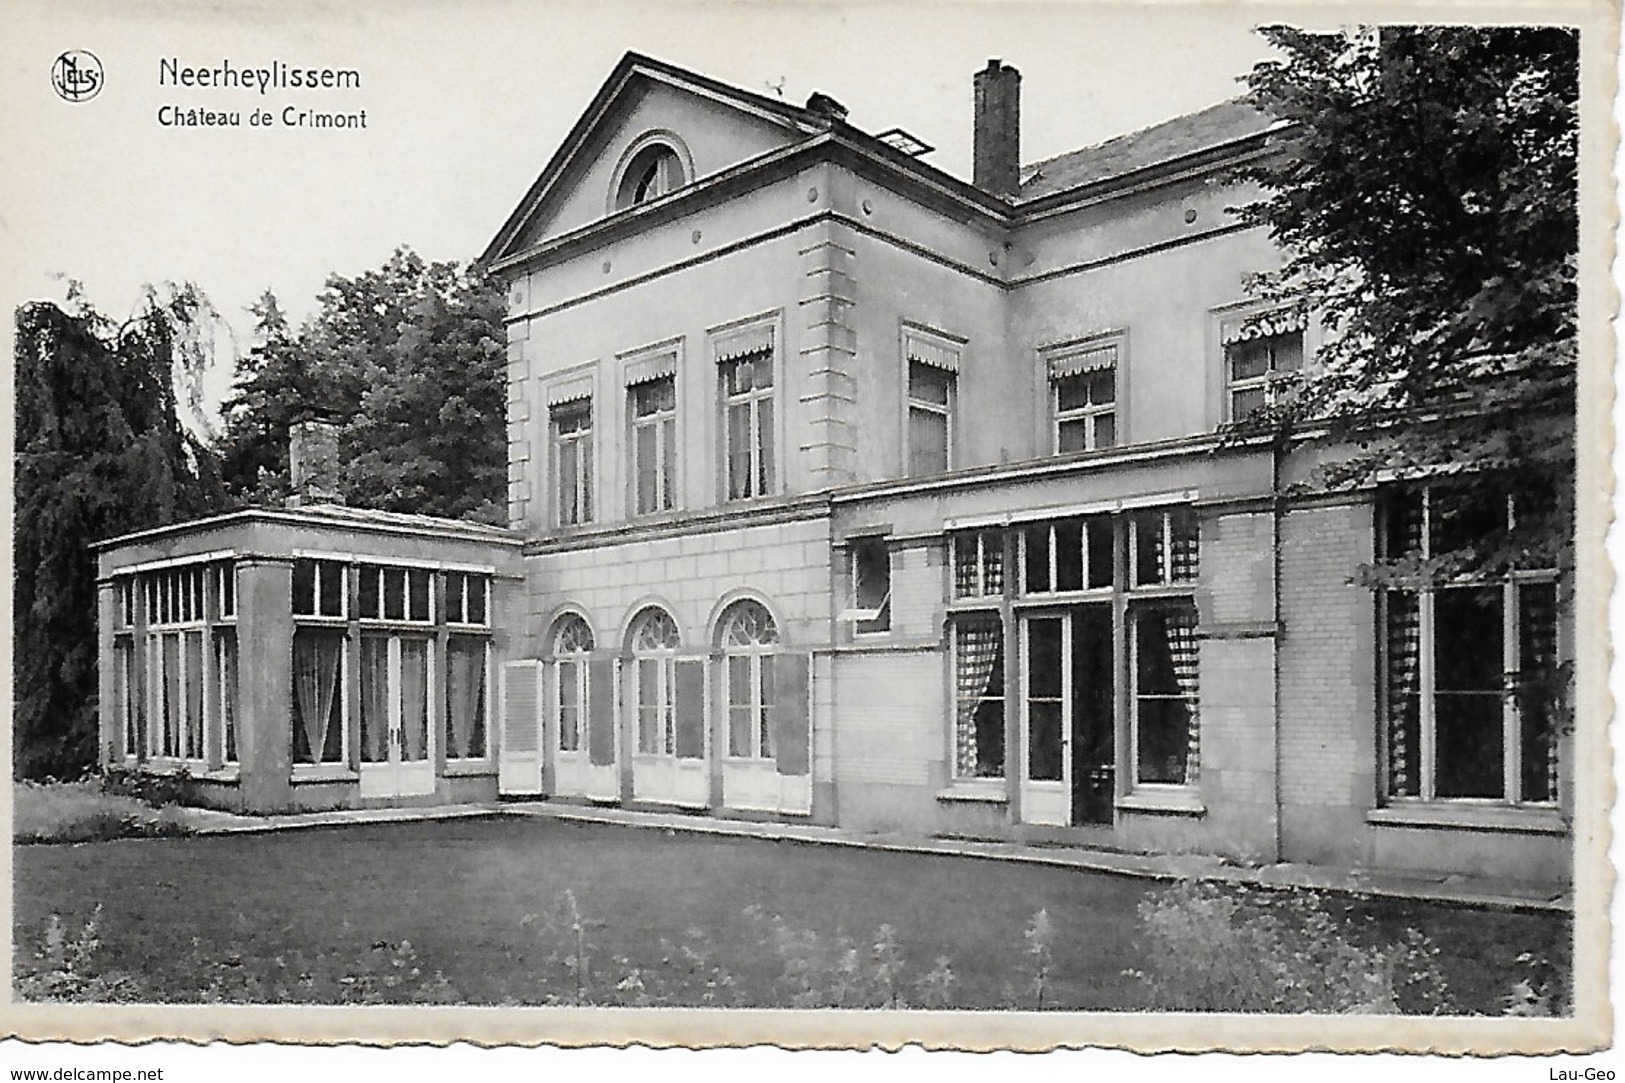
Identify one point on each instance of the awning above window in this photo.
(936, 354)
(1266, 325)
(744, 341)
(653, 367)
(572, 390)
(1079, 362)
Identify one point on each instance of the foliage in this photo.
(66, 967)
(81, 812)
(1542, 988)
(408, 360)
(99, 452)
(1425, 196)
(158, 789)
(1208, 948)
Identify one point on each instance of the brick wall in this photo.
(890, 736)
(1328, 684)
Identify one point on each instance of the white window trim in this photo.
(364, 567)
(957, 781)
(1427, 721)
(1131, 634)
(664, 501)
(1052, 356)
(581, 480)
(855, 614)
(439, 726)
(932, 349)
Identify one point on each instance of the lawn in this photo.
(483, 903)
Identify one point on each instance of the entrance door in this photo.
(397, 737)
(1066, 716)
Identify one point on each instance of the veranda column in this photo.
(265, 682)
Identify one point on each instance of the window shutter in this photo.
(792, 734)
(690, 708)
(601, 712)
(519, 765)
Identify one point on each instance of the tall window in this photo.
(468, 696)
(654, 444)
(572, 643)
(978, 661)
(320, 701)
(177, 623)
(1263, 361)
(318, 696)
(654, 654)
(749, 638)
(1083, 390)
(571, 424)
(1166, 721)
(1469, 662)
(1164, 555)
(747, 404)
(930, 418)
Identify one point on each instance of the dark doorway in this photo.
(1092, 694)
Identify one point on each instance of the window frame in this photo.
(1136, 610)
(464, 634)
(188, 602)
(756, 655)
(576, 658)
(942, 354)
(867, 620)
(663, 422)
(957, 778)
(664, 657)
(1425, 594)
(1252, 323)
(761, 454)
(1058, 362)
(579, 483)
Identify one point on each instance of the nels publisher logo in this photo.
(77, 75)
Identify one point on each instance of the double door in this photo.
(397, 718)
(1068, 771)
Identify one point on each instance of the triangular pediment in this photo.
(710, 125)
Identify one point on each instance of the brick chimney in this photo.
(313, 463)
(997, 142)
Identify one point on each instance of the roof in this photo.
(1211, 127)
(1163, 144)
(634, 66)
(331, 515)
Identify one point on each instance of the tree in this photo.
(99, 452)
(1425, 196)
(408, 361)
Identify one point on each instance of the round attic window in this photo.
(652, 172)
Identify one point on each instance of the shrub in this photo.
(82, 812)
(1212, 948)
(152, 788)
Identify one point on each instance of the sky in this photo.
(465, 102)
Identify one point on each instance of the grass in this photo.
(471, 899)
(81, 812)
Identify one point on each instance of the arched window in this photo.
(652, 172)
(572, 642)
(654, 651)
(749, 637)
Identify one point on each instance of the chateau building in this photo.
(844, 490)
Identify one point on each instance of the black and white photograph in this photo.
(976, 525)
